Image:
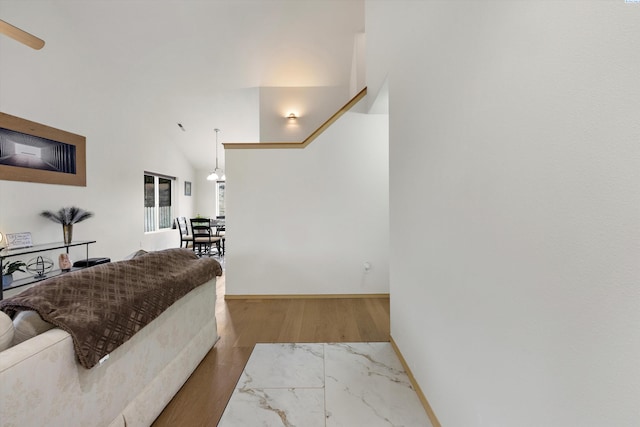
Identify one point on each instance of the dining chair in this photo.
(203, 237)
(183, 229)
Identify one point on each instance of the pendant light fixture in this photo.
(213, 176)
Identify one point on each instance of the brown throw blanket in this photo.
(103, 306)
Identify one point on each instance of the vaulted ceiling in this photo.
(199, 62)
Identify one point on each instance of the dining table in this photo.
(218, 226)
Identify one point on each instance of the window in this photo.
(220, 186)
(158, 197)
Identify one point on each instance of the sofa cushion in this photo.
(6, 331)
(103, 306)
(42, 384)
(27, 325)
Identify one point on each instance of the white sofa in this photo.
(42, 383)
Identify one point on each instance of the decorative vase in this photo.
(7, 279)
(67, 232)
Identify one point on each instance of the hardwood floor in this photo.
(243, 323)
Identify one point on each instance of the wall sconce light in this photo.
(292, 116)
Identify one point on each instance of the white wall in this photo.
(305, 221)
(205, 196)
(69, 86)
(515, 206)
(358, 78)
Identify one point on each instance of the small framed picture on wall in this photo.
(187, 188)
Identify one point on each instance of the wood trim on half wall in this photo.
(269, 145)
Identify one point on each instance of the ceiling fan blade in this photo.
(21, 35)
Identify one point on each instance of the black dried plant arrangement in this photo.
(67, 216)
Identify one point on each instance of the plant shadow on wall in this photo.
(67, 217)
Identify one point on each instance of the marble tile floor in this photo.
(324, 385)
